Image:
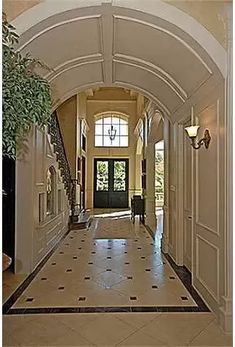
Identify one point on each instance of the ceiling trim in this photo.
(75, 66)
(152, 97)
(71, 20)
(159, 9)
(156, 27)
(83, 59)
(155, 70)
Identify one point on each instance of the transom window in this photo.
(111, 131)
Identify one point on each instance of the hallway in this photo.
(105, 286)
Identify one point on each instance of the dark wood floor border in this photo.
(122, 309)
(12, 299)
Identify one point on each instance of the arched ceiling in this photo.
(113, 45)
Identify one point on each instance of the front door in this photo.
(111, 183)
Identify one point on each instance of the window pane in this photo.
(106, 129)
(107, 142)
(124, 141)
(107, 120)
(122, 121)
(102, 176)
(98, 129)
(119, 175)
(111, 126)
(115, 142)
(115, 120)
(124, 129)
(98, 140)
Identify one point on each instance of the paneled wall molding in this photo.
(36, 231)
(214, 294)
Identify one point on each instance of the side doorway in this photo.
(111, 183)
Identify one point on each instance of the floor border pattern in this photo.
(181, 271)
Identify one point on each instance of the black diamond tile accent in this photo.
(139, 248)
(90, 263)
(147, 269)
(109, 257)
(109, 248)
(82, 240)
(87, 278)
(79, 247)
(29, 299)
(93, 252)
(108, 269)
(81, 298)
(43, 279)
(172, 278)
(125, 252)
(75, 257)
(69, 270)
(164, 263)
(53, 263)
(136, 240)
(154, 287)
(133, 298)
(184, 298)
(142, 257)
(61, 252)
(71, 237)
(127, 263)
(61, 288)
(129, 277)
(67, 244)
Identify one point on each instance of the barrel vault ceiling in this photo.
(105, 45)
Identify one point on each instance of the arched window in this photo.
(111, 130)
(51, 183)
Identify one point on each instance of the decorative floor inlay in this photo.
(107, 276)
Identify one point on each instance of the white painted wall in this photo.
(35, 239)
(209, 229)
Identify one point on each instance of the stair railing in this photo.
(57, 141)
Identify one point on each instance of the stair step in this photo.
(83, 222)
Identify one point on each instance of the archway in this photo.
(131, 44)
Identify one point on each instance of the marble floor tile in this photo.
(176, 329)
(212, 335)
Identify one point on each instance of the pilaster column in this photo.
(165, 234)
(226, 307)
(150, 187)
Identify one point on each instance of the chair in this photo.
(137, 207)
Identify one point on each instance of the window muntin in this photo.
(111, 125)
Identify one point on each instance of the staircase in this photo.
(78, 219)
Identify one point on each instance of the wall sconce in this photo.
(192, 134)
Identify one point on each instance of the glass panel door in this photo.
(102, 175)
(119, 176)
(111, 183)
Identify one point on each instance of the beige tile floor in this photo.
(114, 329)
(108, 329)
(125, 271)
